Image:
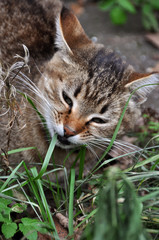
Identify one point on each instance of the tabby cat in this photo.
(78, 86)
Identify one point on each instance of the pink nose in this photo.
(69, 131)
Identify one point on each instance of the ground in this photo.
(129, 40)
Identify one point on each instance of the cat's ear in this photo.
(69, 32)
(144, 83)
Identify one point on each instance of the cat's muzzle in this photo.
(63, 140)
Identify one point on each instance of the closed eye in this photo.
(67, 99)
(98, 120)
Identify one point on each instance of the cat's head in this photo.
(86, 88)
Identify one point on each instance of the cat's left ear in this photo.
(69, 32)
(144, 83)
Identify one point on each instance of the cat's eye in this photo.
(67, 99)
(98, 120)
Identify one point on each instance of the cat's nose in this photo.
(68, 131)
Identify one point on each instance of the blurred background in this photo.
(131, 28)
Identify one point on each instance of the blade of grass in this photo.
(72, 184)
(81, 167)
(36, 193)
(47, 157)
(18, 150)
(142, 163)
(11, 176)
(149, 196)
(40, 115)
(69, 154)
(17, 200)
(44, 201)
(87, 217)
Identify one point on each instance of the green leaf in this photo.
(118, 16)
(5, 202)
(18, 208)
(148, 18)
(4, 210)
(29, 227)
(29, 221)
(8, 192)
(5, 218)
(1, 218)
(127, 5)
(106, 5)
(155, 4)
(9, 229)
(28, 231)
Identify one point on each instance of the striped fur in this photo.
(78, 86)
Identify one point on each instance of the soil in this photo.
(128, 40)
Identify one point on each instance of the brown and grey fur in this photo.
(64, 59)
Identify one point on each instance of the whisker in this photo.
(92, 151)
(31, 86)
(118, 144)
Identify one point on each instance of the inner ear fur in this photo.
(144, 83)
(72, 30)
(135, 76)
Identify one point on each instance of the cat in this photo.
(78, 86)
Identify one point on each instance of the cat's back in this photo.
(27, 22)
(32, 23)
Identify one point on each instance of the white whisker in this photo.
(92, 151)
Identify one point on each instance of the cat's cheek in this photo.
(50, 128)
(59, 129)
(54, 129)
(75, 139)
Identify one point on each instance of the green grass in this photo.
(105, 204)
(116, 197)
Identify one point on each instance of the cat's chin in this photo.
(64, 146)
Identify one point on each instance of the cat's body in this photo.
(81, 87)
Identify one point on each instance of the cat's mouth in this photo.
(63, 140)
(64, 143)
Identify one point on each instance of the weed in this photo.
(119, 10)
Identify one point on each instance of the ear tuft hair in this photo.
(144, 83)
(60, 41)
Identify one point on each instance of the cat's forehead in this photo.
(101, 75)
(107, 66)
(91, 77)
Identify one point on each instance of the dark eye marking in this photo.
(77, 91)
(61, 79)
(104, 109)
(98, 120)
(67, 99)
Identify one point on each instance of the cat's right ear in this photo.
(70, 35)
(142, 85)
